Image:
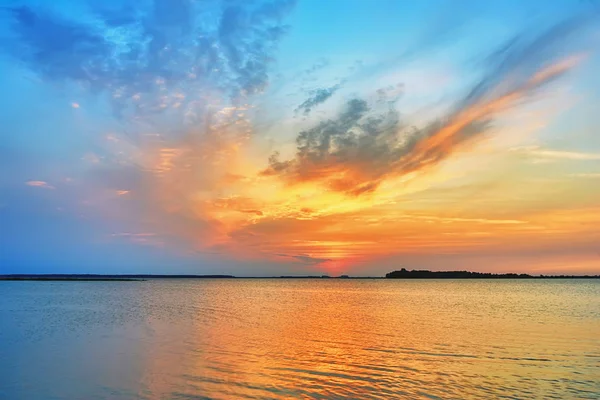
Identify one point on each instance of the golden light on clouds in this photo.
(214, 135)
(364, 184)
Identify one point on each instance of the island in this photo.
(425, 274)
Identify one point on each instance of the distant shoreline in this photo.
(68, 279)
(425, 274)
(101, 278)
(402, 274)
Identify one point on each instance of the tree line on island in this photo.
(426, 274)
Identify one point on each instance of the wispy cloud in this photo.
(305, 259)
(540, 154)
(164, 55)
(446, 220)
(357, 150)
(567, 155)
(129, 234)
(586, 175)
(40, 184)
(178, 76)
(317, 96)
(143, 238)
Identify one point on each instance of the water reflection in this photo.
(226, 339)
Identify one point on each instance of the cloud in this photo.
(40, 184)
(248, 38)
(305, 259)
(317, 66)
(567, 155)
(127, 234)
(547, 155)
(449, 220)
(57, 47)
(390, 93)
(239, 204)
(317, 97)
(586, 175)
(355, 151)
(178, 76)
(360, 148)
(154, 57)
(147, 239)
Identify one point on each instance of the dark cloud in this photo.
(356, 151)
(317, 97)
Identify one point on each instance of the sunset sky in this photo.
(299, 138)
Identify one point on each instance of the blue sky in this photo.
(298, 137)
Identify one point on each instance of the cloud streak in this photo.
(317, 96)
(355, 152)
(305, 258)
(40, 184)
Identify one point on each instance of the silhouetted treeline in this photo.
(425, 274)
(99, 278)
(138, 277)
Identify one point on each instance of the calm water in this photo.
(230, 339)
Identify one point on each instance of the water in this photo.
(235, 339)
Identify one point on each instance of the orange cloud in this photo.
(358, 151)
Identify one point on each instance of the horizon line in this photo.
(476, 275)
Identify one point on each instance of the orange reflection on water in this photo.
(372, 339)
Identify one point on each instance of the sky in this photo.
(284, 137)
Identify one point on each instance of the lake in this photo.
(300, 338)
